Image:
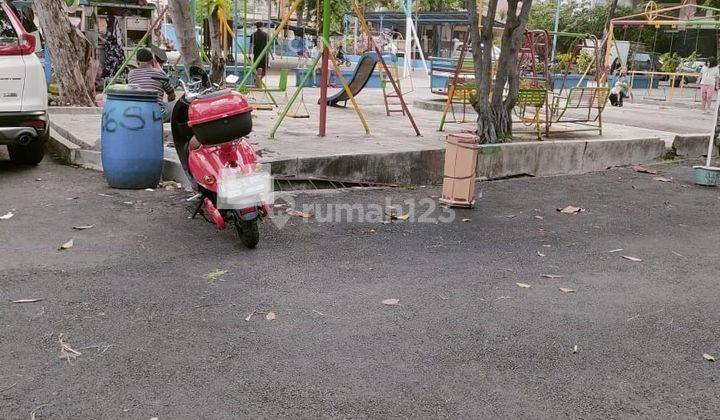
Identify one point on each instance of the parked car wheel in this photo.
(31, 154)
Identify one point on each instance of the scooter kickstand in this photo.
(197, 209)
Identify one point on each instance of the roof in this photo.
(115, 3)
(422, 18)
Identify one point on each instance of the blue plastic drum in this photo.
(132, 138)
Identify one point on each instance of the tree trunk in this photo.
(71, 53)
(185, 32)
(217, 58)
(495, 115)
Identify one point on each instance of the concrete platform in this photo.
(391, 153)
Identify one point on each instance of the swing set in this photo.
(327, 59)
(679, 18)
(538, 104)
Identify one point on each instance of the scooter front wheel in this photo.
(247, 231)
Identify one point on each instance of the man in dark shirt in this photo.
(149, 76)
(258, 41)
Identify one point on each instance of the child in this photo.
(619, 91)
(708, 83)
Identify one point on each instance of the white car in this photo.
(23, 92)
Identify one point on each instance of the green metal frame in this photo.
(573, 101)
(531, 97)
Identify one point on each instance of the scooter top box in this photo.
(220, 117)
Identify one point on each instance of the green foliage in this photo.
(581, 63)
(203, 8)
(584, 59)
(562, 62)
(670, 62)
(437, 5)
(580, 17)
(712, 3)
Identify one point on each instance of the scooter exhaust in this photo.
(24, 139)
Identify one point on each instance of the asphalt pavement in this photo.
(158, 315)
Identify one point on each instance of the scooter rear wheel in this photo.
(247, 231)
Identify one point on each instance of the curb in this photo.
(71, 154)
(439, 106)
(75, 110)
(425, 167)
(693, 145)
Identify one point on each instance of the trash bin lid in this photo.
(131, 92)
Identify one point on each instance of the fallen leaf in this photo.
(540, 254)
(83, 227)
(298, 213)
(616, 250)
(26, 300)
(575, 349)
(567, 290)
(270, 316)
(67, 245)
(67, 352)
(709, 357)
(628, 257)
(391, 302)
(169, 185)
(7, 215)
(523, 285)
(644, 170)
(662, 179)
(466, 220)
(247, 318)
(214, 275)
(553, 276)
(571, 210)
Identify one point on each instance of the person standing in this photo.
(301, 51)
(258, 42)
(708, 83)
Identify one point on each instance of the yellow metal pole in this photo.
(608, 42)
(672, 88)
(347, 88)
(368, 33)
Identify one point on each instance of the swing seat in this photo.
(281, 87)
(535, 99)
(590, 99)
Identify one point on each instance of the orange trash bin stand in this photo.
(461, 152)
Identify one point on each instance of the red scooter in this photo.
(208, 126)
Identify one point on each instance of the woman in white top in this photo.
(708, 82)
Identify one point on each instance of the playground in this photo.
(392, 153)
(384, 116)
